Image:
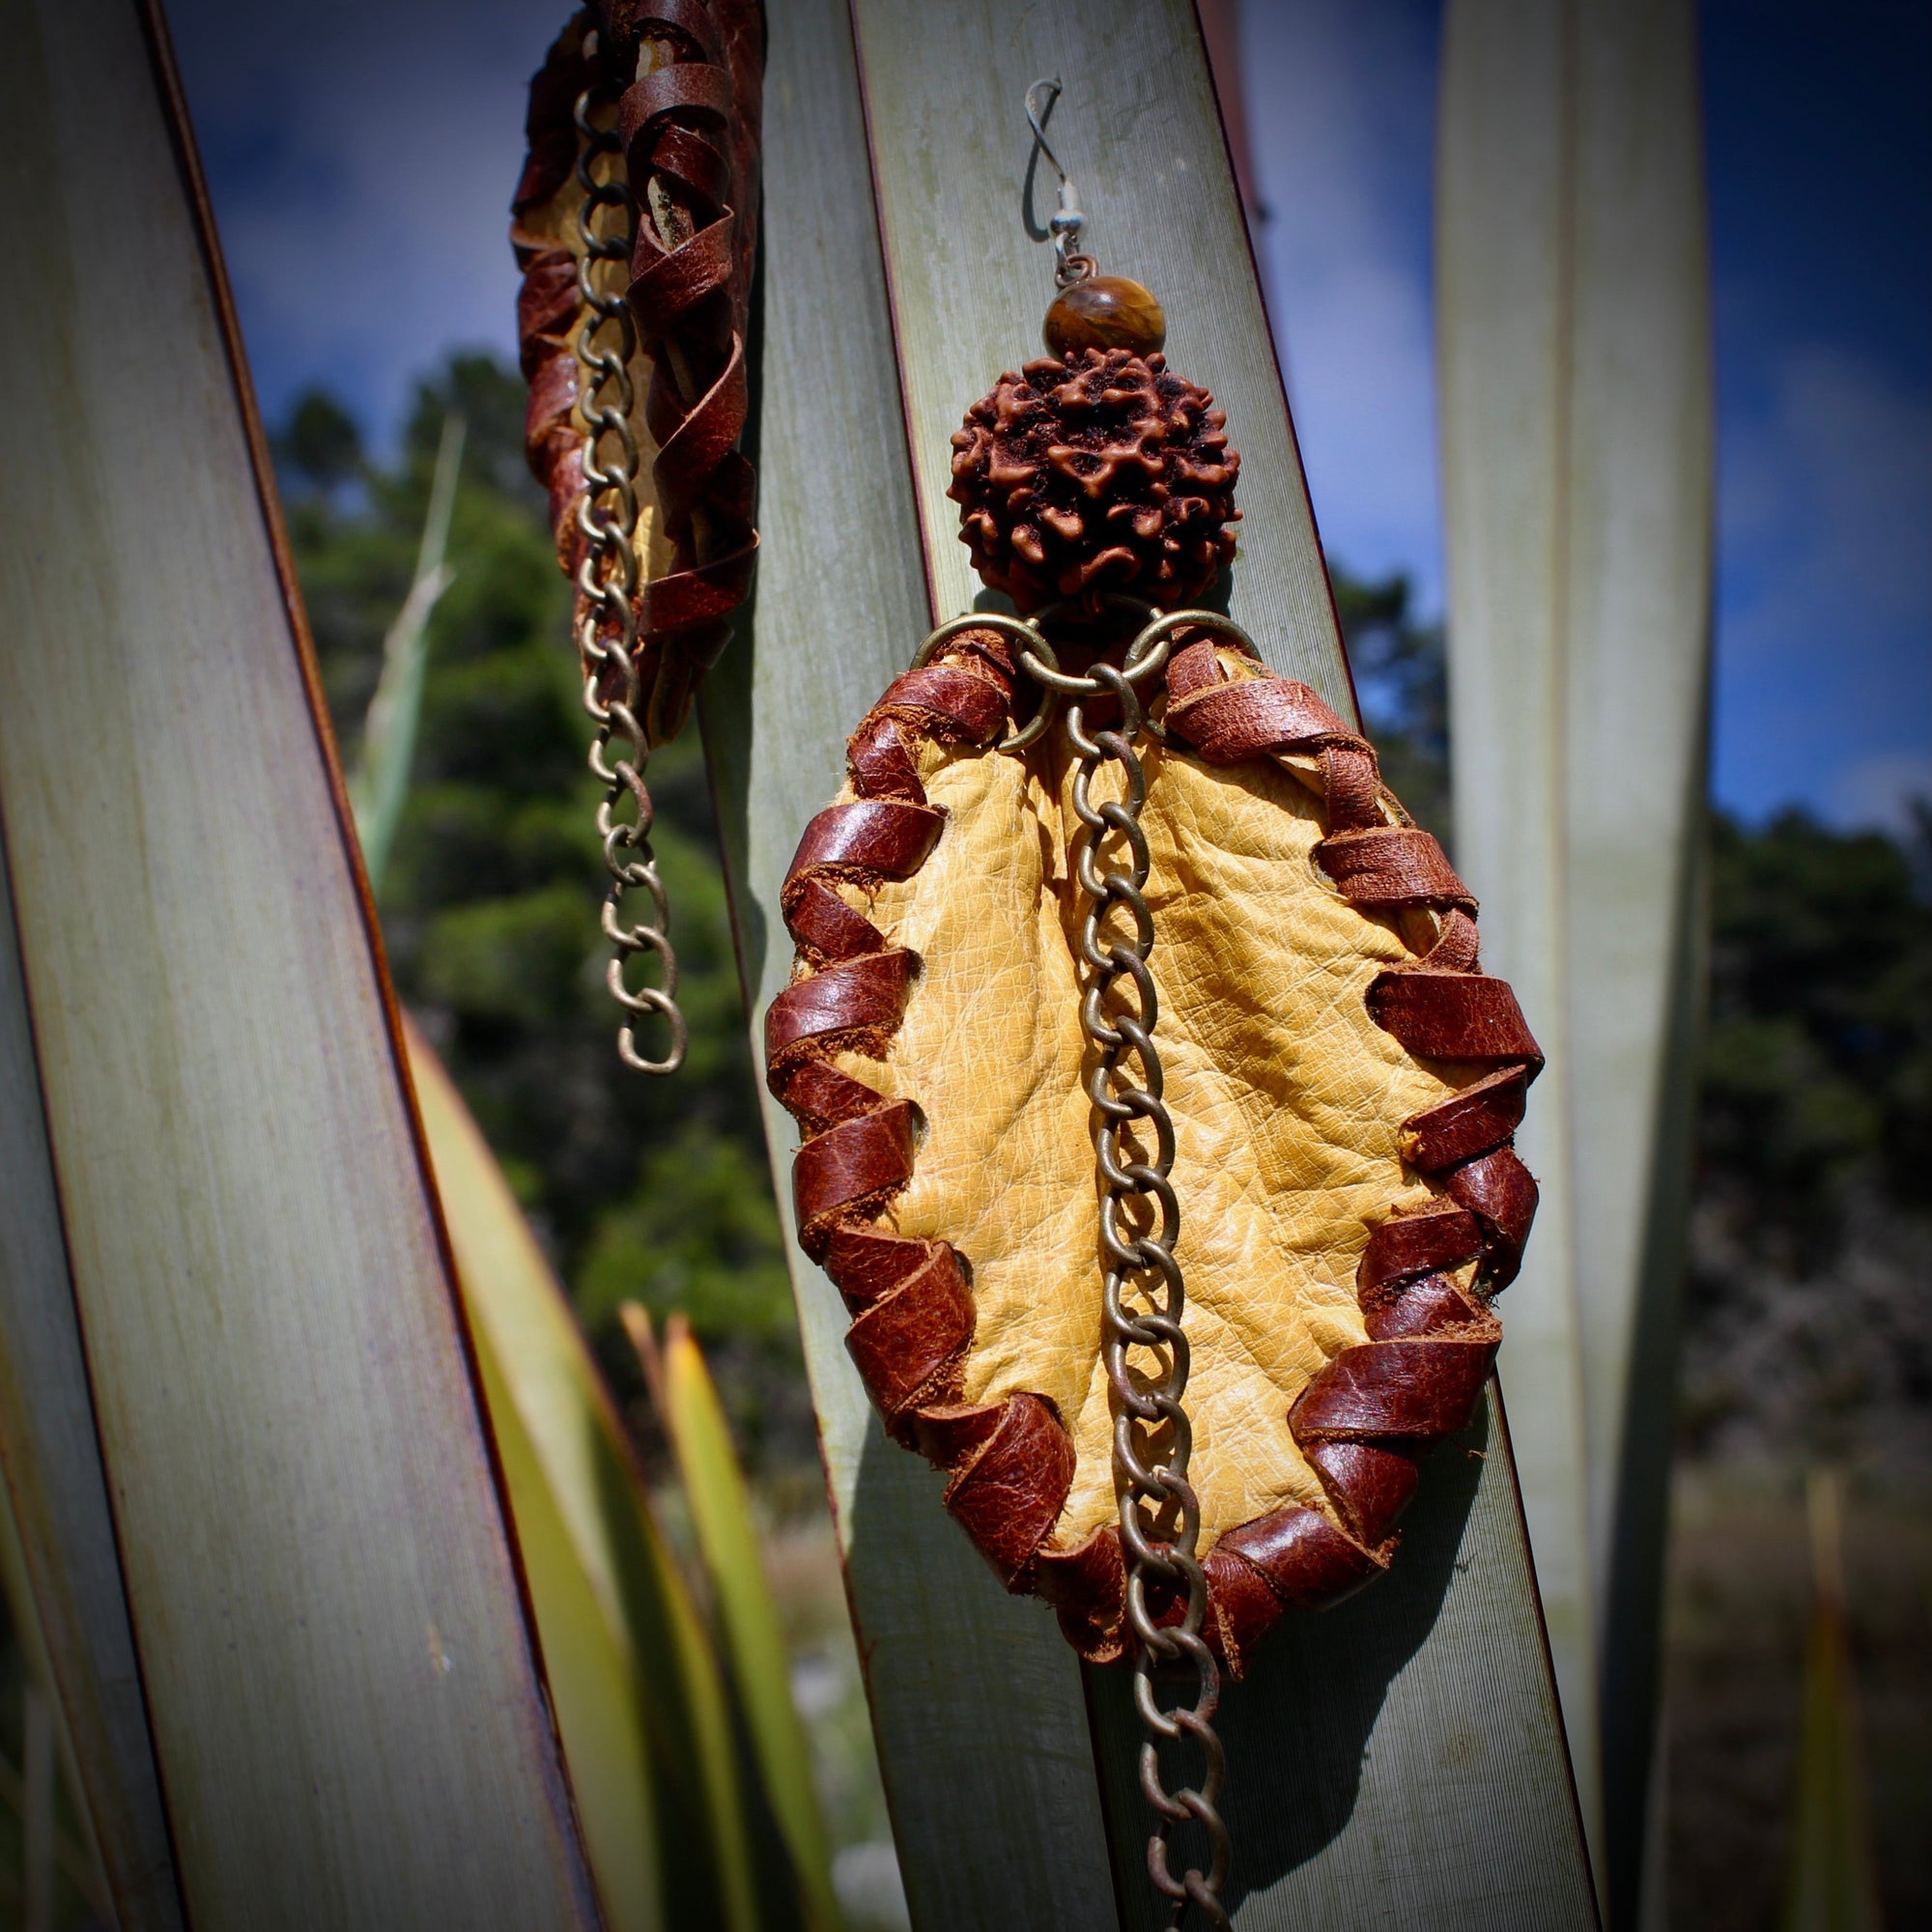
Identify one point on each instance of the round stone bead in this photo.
(1104, 312)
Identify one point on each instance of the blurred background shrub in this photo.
(657, 1191)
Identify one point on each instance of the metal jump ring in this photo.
(1148, 651)
(1136, 669)
(1018, 629)
(1170, 621)
(1159, 637)
(1025, 634)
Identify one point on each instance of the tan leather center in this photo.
(1288, 1101)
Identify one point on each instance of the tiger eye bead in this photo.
(1104, 312)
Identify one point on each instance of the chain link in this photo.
(607, 584)
(1143, 1297)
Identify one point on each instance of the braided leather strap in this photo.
(688, 79)
(690, 127)
(1010, 1462)
(1363, 1419)
(546, 299)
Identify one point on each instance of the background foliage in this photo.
(1809, 1303)
(654, 1191)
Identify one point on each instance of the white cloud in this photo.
(1824, 634)
(1341, 117)
(1827, 491)
(363, 162)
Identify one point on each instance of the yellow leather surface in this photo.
(553, 224)
(1288, 1101)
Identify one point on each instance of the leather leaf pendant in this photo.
(674, 94)
(1343, 1079)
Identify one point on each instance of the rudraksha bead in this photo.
(1102, 473)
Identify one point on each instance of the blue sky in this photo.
(360, 157)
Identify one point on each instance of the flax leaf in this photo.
(640, 1699)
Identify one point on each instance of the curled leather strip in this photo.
(1440, 1006)
(548, 297)
(687, 77)
(1011, 1462)
(1364, 1420)
(690, 127)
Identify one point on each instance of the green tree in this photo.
(1819, 1070)
(320, 443)
(1809, 1320)
(490, 907)
(1807, 1314)
(655, 1189)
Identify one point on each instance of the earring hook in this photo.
(1070, 265)
(1035, 115)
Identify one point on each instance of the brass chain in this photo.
(1143, 1297)
(606, 583)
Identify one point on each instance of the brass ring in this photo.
(1163, 628)
(1031, 643)
(1138, 664)
(1018, 629)
(1157, 639)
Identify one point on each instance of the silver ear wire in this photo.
(1070, 265)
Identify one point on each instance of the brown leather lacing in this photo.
(689, 125)
(546, 299)
(1365, 1417)
(1367, 1414)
